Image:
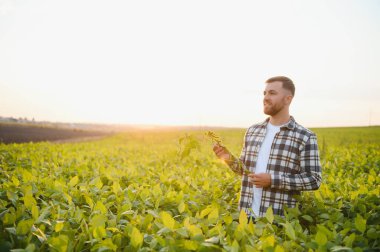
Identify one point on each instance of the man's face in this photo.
(276, 98)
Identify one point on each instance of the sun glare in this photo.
(187, 63)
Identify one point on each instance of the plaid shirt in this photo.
(293, 163)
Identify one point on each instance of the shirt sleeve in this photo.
(310, 175)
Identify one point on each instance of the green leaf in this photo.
(59, 243)
(136, 238)
(67, 197)
(27, 176)
(99, 232)
(193, 230)
(190, 245)
(15, 181)
(360, 223)
(9, 218)
(11, 230)
(215, 138)
(89, 201)
(289, 230)
(97, 182)
(326, 231)
(128, 212)
(24, 227)
(181, 207)
(321, 238)
(153, 213)
(205, 211)
(30, 248)
(279, 248)
(35, 212)
(243, 219)
(182, 231)
(39, 234)
(269, 215)
(116, 187)
(371, 233)
(167, 220)
(12, 196)
(45, 212)
(188, 143)
(73, 181)
(113, 229)
(268, 241)
(100, 206)
(107, 245)
(213, 215)
(228, 219)
(29, 201)
(349, 240)
(59, 226)
(98, 221)
(307, 217)
(340, 248)
(235, 246)
(214, 240)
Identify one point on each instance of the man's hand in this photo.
(260, 180)
(221, 152)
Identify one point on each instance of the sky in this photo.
(189, 62)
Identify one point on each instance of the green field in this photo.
(147, 191)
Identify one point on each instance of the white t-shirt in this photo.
(262, 162)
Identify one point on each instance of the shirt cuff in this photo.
(276, 181)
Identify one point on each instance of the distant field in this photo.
(15, 133)
(348, 135)
(149, 191)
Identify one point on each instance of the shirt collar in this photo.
(290, 125)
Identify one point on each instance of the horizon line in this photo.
(144, 125)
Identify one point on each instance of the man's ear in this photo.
(289, 99)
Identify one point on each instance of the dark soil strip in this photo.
(27, 133)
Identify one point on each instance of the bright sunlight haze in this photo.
(189, 62)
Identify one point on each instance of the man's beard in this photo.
(273, 109)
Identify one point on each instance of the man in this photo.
(281, 156)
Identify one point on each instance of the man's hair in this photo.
(286, 83)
